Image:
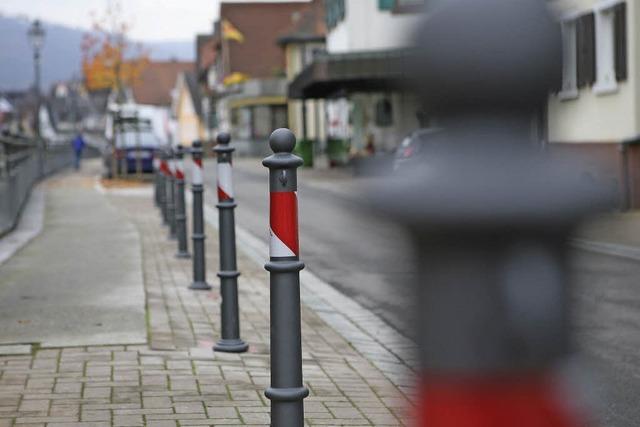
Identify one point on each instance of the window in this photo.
(586, 50)
(569, 60)
(386, 4)
(334, 12)
(578, 55)
(280, 117)
(308, 54)
(620, 24)
(384, 113)
(594, 48)
(261, 122)
(611, 46)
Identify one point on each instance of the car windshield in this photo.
(134, 139)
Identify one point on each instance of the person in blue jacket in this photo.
(78, 145)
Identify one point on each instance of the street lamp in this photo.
(36, 38)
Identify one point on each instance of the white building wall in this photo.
(593, 117)
(365, 27)
(315, 108)
(188, 128)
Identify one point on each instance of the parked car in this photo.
(414, 148)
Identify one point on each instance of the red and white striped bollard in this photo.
(287, 390)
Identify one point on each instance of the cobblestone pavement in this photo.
(176, 380)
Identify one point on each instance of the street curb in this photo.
(29, 226)
(366, 331)
(613, 249)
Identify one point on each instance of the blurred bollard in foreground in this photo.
(198, 236)
(228, 274)
(287, 390)
(171, 183)
(181, 211)
(491, 218)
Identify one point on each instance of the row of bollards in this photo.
(287, 390)
(490, 217)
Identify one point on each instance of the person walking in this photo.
(78, 146)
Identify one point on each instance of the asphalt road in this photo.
(368, 259)
(607, 320)
(340, 241)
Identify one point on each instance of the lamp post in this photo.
(36, 38)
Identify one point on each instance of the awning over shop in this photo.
(258, 100)
(332, 74)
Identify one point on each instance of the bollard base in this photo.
(183, 255)
(287, 407)
(200, 286)
(231, 346)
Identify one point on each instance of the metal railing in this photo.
(23, 162)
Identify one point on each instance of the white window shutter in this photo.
(569, 61)
(605, 52)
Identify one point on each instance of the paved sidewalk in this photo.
(616, 234)
(175, 379)
(79, 282)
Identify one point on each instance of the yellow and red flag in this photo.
(230, 32)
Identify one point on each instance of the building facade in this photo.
(153, 94)
(359, 78)
(307, 118)
(248, 77)
(595, 114)
(188, 125)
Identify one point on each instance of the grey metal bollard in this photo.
(228, 274)
(171, 206)
(197, 188)
(163, 186)
(181, 212)
(287, 390)
(491, 218)
(156, 179)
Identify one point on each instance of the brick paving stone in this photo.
(163, 423)
(128, 420)
(176, 380)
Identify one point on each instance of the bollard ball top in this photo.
(196, 144)
(223, 138)
(282, 141)
(492, 54)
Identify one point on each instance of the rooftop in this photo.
(157, 80)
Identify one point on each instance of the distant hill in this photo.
(61, 54)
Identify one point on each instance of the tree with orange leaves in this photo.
(109, 59)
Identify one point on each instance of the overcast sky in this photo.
(151, 19)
